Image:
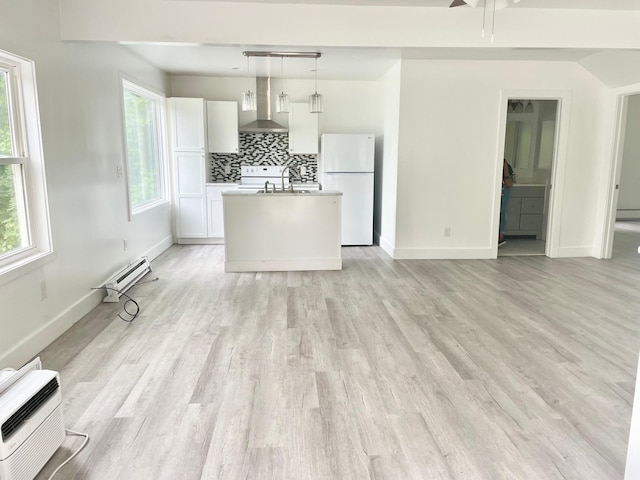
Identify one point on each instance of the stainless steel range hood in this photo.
(263, 124)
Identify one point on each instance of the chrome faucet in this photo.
(266, 187)
(290, 168)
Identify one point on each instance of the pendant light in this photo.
(315, 100)
(282, 102)
(249, 98)
(529, 108)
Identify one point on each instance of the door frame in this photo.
(615, 171)
(558, 166)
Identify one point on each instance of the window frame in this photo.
(24, 118)
(161, 140)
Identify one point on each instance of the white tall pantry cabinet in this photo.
(187, 117)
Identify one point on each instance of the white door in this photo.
(357, 205)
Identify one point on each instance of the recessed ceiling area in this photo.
(364, 64)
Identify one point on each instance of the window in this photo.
(24, 217)
(144, 124)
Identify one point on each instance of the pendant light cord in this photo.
(493, 20)
(316, 72)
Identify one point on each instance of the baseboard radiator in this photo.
(125, 279)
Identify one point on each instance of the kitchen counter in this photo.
(282, 231)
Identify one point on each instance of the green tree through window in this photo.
(10, 237)
(144, 159)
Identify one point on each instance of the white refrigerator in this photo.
(347, 164)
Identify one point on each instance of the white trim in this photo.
(200, 241)
(49, 332)
(283, 265)
(577, 251)
(25, 118)
(558, 167)
(386, 245)
(443, 253)
(615, 171)
(41, 338)
(161, 141)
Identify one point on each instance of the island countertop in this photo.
(283, 231)
(280, 193)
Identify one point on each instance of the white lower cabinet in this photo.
(215, 216)
(191, 218)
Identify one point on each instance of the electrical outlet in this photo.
(227, 169)
(119, 171)
(43, 290)
(447, 231)
(303, 170)
(124, 244)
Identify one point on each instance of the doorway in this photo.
(625, 218)
(529, 148)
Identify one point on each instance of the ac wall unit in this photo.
(123, 280)
(31, 425)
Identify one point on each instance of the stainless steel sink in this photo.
(294, 192)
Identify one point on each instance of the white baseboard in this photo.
(38, 340)
(155, 251)
(386, 246)
(569, 252)
(200, 241)
(41, 338)
(443, 253)
(283, 265)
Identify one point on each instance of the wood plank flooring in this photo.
(517, 368)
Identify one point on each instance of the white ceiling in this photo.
(568, 4)
(352, 63)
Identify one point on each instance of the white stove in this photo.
(253, 177)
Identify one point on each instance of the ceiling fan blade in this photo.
(457, 3)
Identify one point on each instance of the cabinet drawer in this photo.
(531, 222)
(532, 205)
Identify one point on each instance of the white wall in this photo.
(387, 179)
(81, 119)
(349, 106)
(449, 151)
(629, 195)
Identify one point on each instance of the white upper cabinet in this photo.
(303, 130)
(222, 127)
(188, 124)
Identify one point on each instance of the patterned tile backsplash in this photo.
(261, 149)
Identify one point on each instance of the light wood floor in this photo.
(517, 368)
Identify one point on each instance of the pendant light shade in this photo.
(282, 102)
(315, 103)
(249, 98)
(249, 101)
(529, 108)
(315, 100)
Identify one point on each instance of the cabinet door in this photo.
(222, 127)
(215, 216)
(187, 117)
(513, 214)
(191, 220)
(303, 130)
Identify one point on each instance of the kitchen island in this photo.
(282, 231)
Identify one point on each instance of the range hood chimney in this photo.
(263, 124)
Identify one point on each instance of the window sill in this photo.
(148, 207)
(23, 266)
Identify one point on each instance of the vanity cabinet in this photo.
(525, 210)
(303, 130)
(222, 127)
